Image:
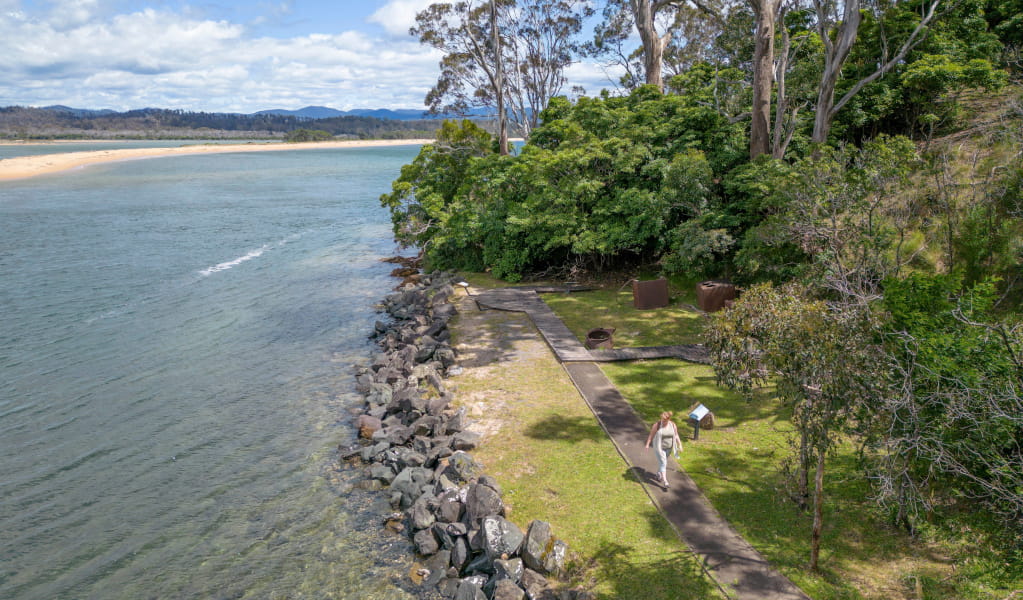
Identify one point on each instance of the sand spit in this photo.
(23, 167)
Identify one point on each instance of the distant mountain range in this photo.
(309, 112)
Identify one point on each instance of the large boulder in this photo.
(506, 589)
(382, 473)
(409, 483)
(421, 515)
(461, 468)
(438, 567)
(482, 501)
(460, 554)
(425, 542)
(367, 425)
(534, 584)
(466, 440)
(501, 537)
(449, 507)
(540, 551)
(469, 589)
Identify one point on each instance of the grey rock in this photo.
(461, 468)
(435, 406)
(448, 587)
(444, 311)
(481, 563)
(438, 567)
(490, 482)
(409, 483)
(370, 453)
(410, 458)
(482, 501)
(382, 473)
(449, 507)
(466, 440)
(420, 514)
(445, 355)
(469, 590)
(424, 426)
(534, 584)
(398, 435)
(509, 569)
(425, 542)
(460, 553)
(506, 589)
(441, 533)
(501, 537)
(457, 421)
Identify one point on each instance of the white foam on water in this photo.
(234, 263)
(251, 255)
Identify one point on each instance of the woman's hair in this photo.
(666, 414)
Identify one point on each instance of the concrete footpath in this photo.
(740, 571)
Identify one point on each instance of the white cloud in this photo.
(93, 57)
(159, 58)
(397, 16)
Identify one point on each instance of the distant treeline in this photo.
(17, 122)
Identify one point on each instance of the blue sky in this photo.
(218, 55)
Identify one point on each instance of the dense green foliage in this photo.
(883, 269)
(307, 135)
(26, 122)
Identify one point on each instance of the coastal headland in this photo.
(23, 167)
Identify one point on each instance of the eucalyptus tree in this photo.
(506, 54)
(657, 22)
(838, 25)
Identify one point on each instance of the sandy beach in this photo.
(22, 167)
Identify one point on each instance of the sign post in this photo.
(695, 417)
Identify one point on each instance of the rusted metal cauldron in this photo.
(600, 337)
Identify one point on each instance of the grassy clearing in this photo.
(740, 466)
(583, 311)
(555, 463)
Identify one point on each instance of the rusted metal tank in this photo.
(649, 294)
(713, 295)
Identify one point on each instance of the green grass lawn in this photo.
(556, 464)
(741, 467)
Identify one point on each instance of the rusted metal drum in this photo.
(600, 337)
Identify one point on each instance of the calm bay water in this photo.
(177, 338)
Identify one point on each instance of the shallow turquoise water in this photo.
(177, 338)
(11, 150)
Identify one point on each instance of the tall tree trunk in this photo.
(803, 481)
(835, 54)
(818, 511)
(781, 106)
(653, 44)
(502, 117)
(763, 77)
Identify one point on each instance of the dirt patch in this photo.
(488, 344)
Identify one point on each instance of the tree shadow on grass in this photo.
(572, 429)
(491, 337)
(652, 575)
(667, 384)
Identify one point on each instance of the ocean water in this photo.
(177, 339)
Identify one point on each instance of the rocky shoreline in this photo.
(414, 446)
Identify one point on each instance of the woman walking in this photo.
(664, 435)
